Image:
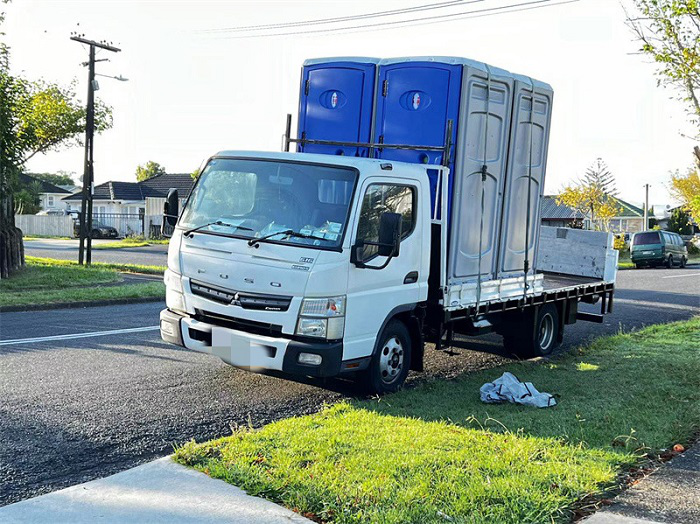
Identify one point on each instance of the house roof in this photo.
(46, 187)
(156, 186)
(628, 210)
(553, 211)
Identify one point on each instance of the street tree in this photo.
(149, 170)
(669, 33)
(60, 178)
(599, 175)
(679, 222)
(592, 202)
(686, 189)
(35, 117)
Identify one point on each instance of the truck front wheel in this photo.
(391, 360)
(535, 335)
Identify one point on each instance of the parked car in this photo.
(655, 248)
(99, 230)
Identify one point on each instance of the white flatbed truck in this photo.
(329, 264)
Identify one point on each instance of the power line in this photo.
(478, 13)
(335, 20)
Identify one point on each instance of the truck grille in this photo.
(239, 298)
(239, 324)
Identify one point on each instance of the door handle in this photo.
(411, 278)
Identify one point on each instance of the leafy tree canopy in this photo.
(686, 189)
(679, 222)
(60, 178)
(669, 32)
(149, 170)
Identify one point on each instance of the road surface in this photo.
(155, 255)
(83, 404)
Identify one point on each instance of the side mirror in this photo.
(388, 245)
(170, 209)
(389, 234)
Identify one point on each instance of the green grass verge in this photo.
(128, 268)
(130, 242)
(46, 281)
(626, 263)
(37, 237)
(435, 453)
(80, 294)
(44, 274)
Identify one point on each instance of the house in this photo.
(123, 204)
(556, 215)
(629, 220)
(50, 196)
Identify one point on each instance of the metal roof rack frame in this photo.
(446, 149)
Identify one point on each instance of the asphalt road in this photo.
(76, 409)
(156, 255)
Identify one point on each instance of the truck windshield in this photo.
(256, 198)
(645, 239)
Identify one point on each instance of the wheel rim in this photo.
(391, 360)
(546, 331)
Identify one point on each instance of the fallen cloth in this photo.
(507, 388)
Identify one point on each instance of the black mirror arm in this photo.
(386, 263)
(360, 264)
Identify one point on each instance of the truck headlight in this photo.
(174, 298)
(322, 318)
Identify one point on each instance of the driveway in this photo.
(90, 392)
(156, 255)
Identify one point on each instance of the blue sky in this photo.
(192, 92)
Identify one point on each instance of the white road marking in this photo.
(77, 335)
(661, 305)
(683, 275)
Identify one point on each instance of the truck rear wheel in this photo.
(391, 360)
(536, 335)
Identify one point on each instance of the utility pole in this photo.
(646, 207)
(88, 171)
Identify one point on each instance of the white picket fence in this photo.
(45, 225)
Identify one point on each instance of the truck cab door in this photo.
(374, 294)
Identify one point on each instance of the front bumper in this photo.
(250, 351)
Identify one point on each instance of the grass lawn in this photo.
(45, 281)
(435, 453)
(37, 237)
(129, 242)
(626, 263)
(127, 268)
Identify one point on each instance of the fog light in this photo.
(310, 359)
(167, 328)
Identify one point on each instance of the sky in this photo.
(193, 90)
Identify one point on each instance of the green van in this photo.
(654, 248)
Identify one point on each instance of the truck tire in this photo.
(669, 262)
(684, 261)
(391, 361)
(536, 335)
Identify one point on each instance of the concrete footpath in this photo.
(669, 495)
(158, 492)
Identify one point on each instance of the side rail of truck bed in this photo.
(555, 288)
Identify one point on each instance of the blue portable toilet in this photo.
(336, 104)
(415, 99)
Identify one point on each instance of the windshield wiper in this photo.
(285, 233)
(189, 232)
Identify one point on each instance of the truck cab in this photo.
(302, 263)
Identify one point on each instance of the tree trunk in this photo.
(11, 246)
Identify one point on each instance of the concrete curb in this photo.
(159, 492)
(82, 304)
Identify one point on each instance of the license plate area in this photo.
(244, 351)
